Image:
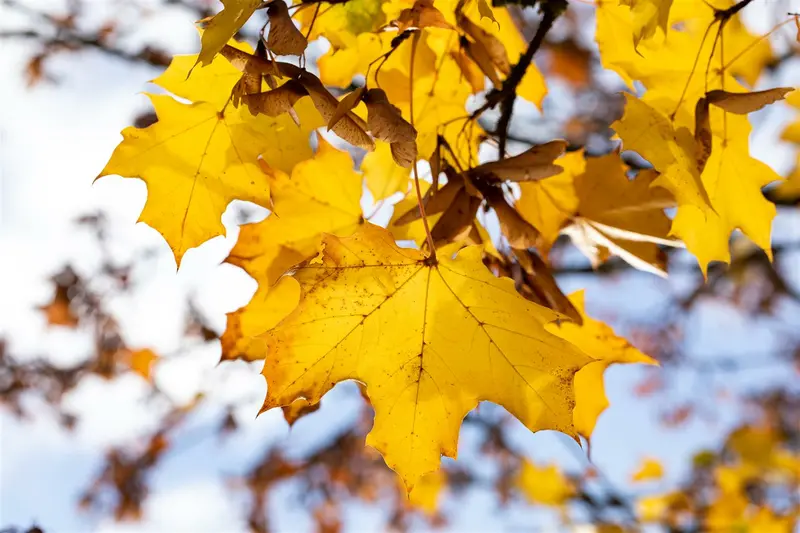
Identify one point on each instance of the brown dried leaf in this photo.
(480, 56)
(493, 46)
(544, 289)
(284, 38)
(385, 121)
(421, 15)
(404, 153)
(350, 127)
(533, 164)
(744, 103)
(346, 104)
(471, 72)
(456, 221)
(702, 134)
(434, 203)
(518, 231)
(277, 101)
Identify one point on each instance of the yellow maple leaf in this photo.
(602, 211)
(649, 469)
(429, 341)
(212, 83)
(545, 485)
(384, 177)
(670, 150)
(223, 26)
(195, 160)
(321, 196)
(599, 341)
(646, 16)
(668, 64)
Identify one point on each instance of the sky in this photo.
(56, 137)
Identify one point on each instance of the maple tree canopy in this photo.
(394, 112)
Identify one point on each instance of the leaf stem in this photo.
(414, 42)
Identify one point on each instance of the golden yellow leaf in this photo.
(650, 469)
(212, 83)
(649, 132)
(545, 485)
(733, 180)
(196, 160)
(384, 177)
(429, 341)
(666, 65)
(321, 196)
(599, 341)
(646, 16)
(224, 26)
(601, 210)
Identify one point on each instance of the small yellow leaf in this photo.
(649, 470)
(223, 26)
(545, 485)
(142, 361)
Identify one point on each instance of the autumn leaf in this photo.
(213, 83)
(195, 160)
(545, 485)
(223, 26)
(646, 16)
(670, 150)
(383, 176)
(321, 196)
(429, 341)
(602, 210)
(599, 341)
(649, 470)
(141, 362)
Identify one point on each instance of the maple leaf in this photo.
(383, 176)
(670, 150)
(601, 210)
(599, 341)
(321, 196)
(212, 83)
(195, 160)
(646, 16)
(429, 341)
(731, 178)
(223, 26)
(668, 65)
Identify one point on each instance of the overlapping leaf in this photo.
(321, 196)
(429, 341)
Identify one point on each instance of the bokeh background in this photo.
(116, 416)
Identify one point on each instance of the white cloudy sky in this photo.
(54, 138)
